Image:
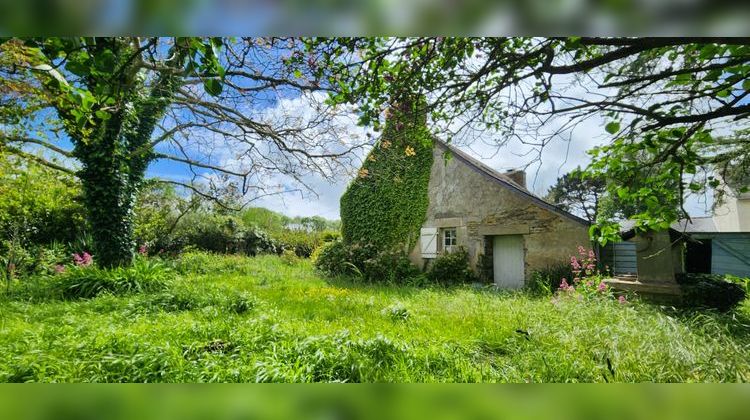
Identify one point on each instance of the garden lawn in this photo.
(267, 319)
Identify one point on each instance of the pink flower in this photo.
(592, 256)
(601, 288)
(83, 260)
(143, 250)
(622, 300)
(564, 286)
(581, 250)
(574, 263)
(59, 269)
(589, 284)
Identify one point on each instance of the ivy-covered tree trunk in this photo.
(109, 198)
(114, 160)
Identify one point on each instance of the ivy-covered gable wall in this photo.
(386, 204)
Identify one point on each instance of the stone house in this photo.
(507, 231)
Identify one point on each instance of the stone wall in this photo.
(480, 207)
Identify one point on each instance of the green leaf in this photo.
(103, 115)
(213, 87)
(613, 127)
(78, 68)
(105, 62)
(746, 84)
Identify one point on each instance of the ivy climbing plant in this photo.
(386, 204)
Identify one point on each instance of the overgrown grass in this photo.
(263, 319)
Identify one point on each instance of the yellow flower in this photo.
(410, 151)
(371, 158)
(385, 144)
(363, 173)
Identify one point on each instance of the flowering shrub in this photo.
(584, 265)
(588, 282)
(83, 260)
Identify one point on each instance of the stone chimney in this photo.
(517, 175)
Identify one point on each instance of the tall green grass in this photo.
(266, 320)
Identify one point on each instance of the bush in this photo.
(710, 291)
(336, 258)
(289, 257)
(389, 267)
(87, 282)
(220, 234)
(18, 261)
(365, 261)
(42, 202)
(451, 269)
(547, 281)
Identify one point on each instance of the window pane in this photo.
(449, 239)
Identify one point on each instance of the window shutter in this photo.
(428, 241)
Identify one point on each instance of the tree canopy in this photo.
(573, 192)
(664, 101)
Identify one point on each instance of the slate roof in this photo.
(505, 181)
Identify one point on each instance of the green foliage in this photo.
(222, 234)
(743, 282)
(338, 258)
(265, 219)
(274, 222)
(289, 257)
(641, 184)
(168, 222)
(574, 192)
(387, 203)
(547, 281)
(366, 262)
(451, 269)
(159, 209)
(392, 267)
(302, 242)
(144, 275)
(38, 204)
(19, 261)
(710, 291)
